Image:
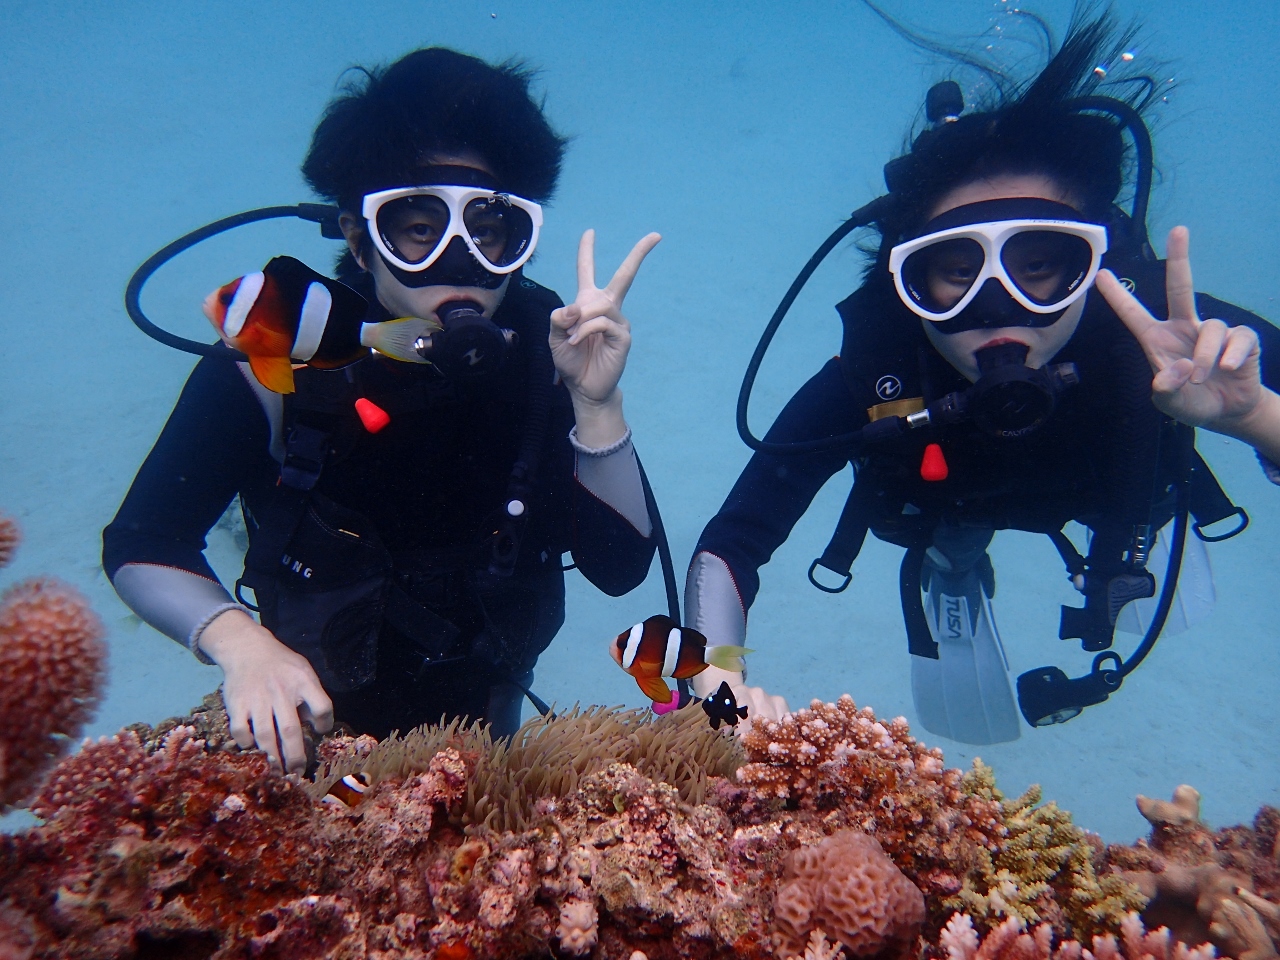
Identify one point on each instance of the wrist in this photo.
(600, 422)
(1260, 427)
(224, 634)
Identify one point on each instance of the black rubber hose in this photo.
(1137, 128)
(861, 217)
(325, 215)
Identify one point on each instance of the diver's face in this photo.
(424, 302)
(1037, 271)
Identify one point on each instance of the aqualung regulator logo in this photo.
(888, 387)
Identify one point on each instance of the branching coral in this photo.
(1042, 871)
(52, 667)
(10, 537)
(846, 885)
(833, 758)
(959, 941)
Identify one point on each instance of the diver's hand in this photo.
(1206, 373)
(269, 689)
(758, 703)
(590, 339)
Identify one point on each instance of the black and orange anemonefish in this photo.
(288, 314)
(349, 791)
(660, 647)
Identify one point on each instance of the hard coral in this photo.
(1222, 886)
(837, 761)
(52, 666)
(959, 941)
(847, 886)
(578, 930)
(10, 537)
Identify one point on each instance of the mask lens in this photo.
(1046, 265)
(413, 226)
(936, 277)
(500, 230)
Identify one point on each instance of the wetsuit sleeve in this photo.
(1269, 339)
(771, 495)
(153, 551)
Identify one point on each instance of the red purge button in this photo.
(934, 465)
(372, 416)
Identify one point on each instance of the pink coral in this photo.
(578, 930)
(959, 941)
(51, 673)
(848, 888)
(10, 537)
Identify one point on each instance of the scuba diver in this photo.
(996, 372)
(406, 520)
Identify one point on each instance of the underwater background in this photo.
(743, 133)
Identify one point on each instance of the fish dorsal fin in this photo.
(274, 373)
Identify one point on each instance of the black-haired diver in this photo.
(993, 341)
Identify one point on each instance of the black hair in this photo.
(1027, 127)
(379, 131)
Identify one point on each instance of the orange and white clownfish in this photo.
(348, 791)
(660, 647)
(288, 314)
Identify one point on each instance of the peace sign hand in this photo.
(590, 337)
(1206, 373)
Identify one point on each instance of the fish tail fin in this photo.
(274, 373)
(396, 338)
(728, 658)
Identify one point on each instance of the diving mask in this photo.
(412, 227)
(998, 263)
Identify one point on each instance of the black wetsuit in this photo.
(428, 486)
(1070, 469)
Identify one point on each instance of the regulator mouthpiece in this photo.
(1011, 399)
(470, 345)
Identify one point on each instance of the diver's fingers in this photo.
(316, 707)
(1242, 344)
(1177, 281)
(1127, 307)
(264, 734)
(1211, 339)
(238, 723)
(626, 273)
(289, 728)
(587, 261)
(611, 329)
(563, 318)
(1173, 377)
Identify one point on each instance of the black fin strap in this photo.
(920, 642)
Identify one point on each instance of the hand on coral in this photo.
(759, 704)
(269, 689)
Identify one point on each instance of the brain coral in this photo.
(847, 887)
(51, 672)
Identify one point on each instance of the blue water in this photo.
(743, 133)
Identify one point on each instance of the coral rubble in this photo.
(52, 667)
(600, 833)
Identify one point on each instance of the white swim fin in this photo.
(965, 694)
(1194, 599)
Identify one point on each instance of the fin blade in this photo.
(655, 688)
(274, 373)
(395, 338)
(728, 658)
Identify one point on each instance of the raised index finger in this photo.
(1177, 282)
(626, 273)
(587, 261)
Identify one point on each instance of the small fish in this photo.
(660, 647)
(349, 791)
(722, 707)
(288, 314)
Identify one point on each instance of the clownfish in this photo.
(660, 647)
(349, 791)
(288, 314)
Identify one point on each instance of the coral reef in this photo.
(209, 721)
(847, 885)
(600, 833)
(1221, 886)
(10, 537)
(1043, 870)
(959, 941)
(52, 667)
